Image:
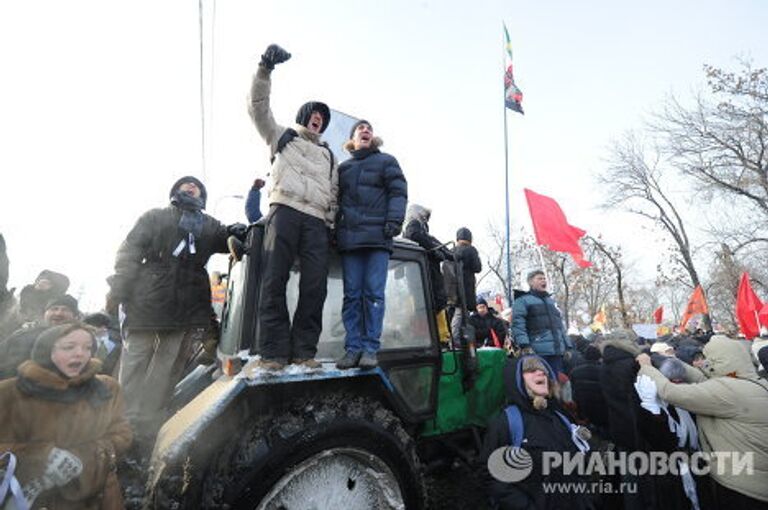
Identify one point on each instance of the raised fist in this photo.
(274, 55)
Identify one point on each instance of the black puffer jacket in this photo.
(372, 193)
(158, 289)
(417, 230)
(543, 431)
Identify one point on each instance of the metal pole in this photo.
(506, 177)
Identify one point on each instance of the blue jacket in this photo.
(372, 193)
(537, 323)
(253, 205)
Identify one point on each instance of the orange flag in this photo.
(696, 305)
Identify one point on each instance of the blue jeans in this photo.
(365, 280)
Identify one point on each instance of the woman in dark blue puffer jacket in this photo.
(372, 197)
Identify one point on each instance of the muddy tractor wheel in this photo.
(341, 452)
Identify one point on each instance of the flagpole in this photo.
(506, 175)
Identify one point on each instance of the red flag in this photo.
(696, 305)
(552, 229)
(748, 305)
(658, 314)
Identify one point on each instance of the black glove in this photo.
(391, 229)
(258, 183)
(238, 230)
(274, 55)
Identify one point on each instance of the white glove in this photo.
(648, 393)
(63, 467)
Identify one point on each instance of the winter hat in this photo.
(481, 301)
(464, 234)
(305, 112)
(98, 320)
(661, 347)
(59, 282)
(358, 123)
(65, 300)
(533, 363)
(41, 350)
(189, 178)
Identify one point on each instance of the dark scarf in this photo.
(84, 387)
(191, 213)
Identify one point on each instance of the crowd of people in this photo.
(80, 390)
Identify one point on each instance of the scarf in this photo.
(191, 213)
(684, 428)
(84, 387)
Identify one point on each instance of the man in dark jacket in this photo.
(466, 255)
(372, 198)
(537, 323)
(490, 331)
(417, 230)
(161, 281)
(530, 385)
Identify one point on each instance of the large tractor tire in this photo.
(341, 452)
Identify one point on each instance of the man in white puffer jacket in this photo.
(302, 207)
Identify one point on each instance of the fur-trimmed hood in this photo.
(376, 142)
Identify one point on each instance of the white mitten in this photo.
(648, 393)
(63, 467)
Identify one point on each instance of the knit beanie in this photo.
(464, 234)
(481, 301)
(41, 350)
(189, 178)
(356, 124)
(305, 112)
(65, 300)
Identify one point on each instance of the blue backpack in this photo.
(515, 423)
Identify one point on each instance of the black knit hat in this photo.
(41, 350)
(305, 112)
(464, 234)
(189, 178)
(65, 300)
(356, 124)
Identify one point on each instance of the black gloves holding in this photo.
(391, 229)
(273, 55)
(238, 230)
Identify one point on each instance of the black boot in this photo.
(349, 360)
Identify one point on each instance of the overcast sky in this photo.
(100, 105)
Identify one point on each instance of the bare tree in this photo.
(614, 257)
(635, 184)
(722, 140)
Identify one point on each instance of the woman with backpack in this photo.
(535, 422)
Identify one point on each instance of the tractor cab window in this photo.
(406, 319)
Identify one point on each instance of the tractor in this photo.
(244, 437)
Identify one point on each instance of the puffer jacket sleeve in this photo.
(708, 398)
(397, 191)
(519, 326)
(99, 456)
(260, 111)
(131, 253)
